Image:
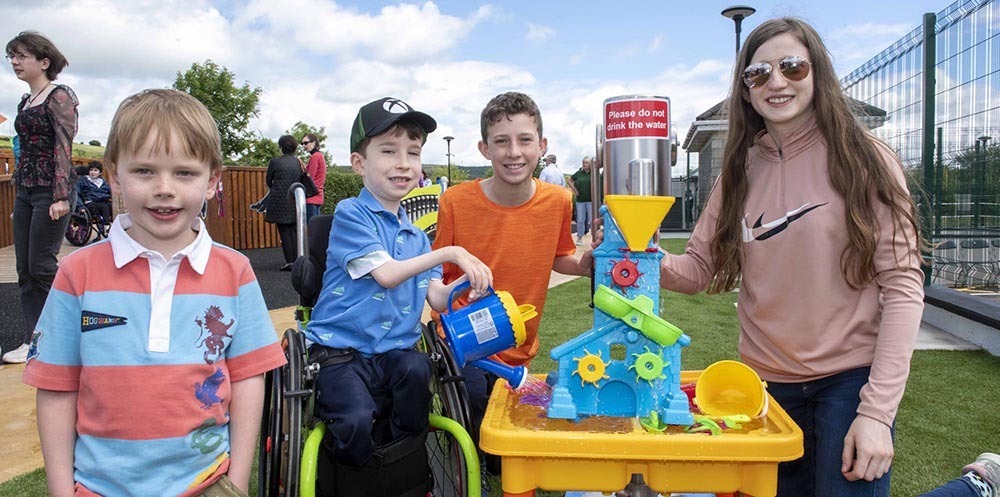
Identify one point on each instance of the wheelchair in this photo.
(292, 461)
(85, 222)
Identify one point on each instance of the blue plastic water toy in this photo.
(492, 324)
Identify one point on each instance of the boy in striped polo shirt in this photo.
(150, 352)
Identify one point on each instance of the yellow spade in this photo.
(638, 217)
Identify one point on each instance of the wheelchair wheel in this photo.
(79, 227)
(453, 461)
(282, 424)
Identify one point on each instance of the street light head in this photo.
(739, 12)
(449, 138)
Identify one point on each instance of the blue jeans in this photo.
(959, 487)
(824, 409)
(37, 239)
(583, 218)
(312, 210)
(392, 386)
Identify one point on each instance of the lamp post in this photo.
(449, 139)
(737, 13)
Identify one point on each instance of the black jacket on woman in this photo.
(282, 172)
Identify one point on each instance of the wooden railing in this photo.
(237, 226)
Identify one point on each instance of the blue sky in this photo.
(317, 61)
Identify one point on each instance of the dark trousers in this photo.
(964, 486)
(355, 393)
(824, 409)
(289, 241)
(37, 239)
(102, 209)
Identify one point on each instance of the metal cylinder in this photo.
(641, 178)
(636, 127)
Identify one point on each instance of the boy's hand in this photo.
(479, 274)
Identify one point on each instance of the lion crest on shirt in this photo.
(215, 331)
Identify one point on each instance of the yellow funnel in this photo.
(638, 217)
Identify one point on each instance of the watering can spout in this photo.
(516, 376)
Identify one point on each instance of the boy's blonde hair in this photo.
(164, 113)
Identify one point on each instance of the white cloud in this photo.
(538, 32)
(654, 46)
(855, 44)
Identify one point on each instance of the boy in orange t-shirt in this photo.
(517, 225)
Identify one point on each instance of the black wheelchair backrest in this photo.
(307, 274)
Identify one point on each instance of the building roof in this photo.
(716, 120)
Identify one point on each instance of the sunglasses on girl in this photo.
(305, 142)
(793, 68)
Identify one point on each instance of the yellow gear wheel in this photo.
(590, 368)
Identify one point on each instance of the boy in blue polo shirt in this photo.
(380, 269)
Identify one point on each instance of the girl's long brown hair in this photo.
(856, 169)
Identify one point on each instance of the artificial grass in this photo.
(946, 418)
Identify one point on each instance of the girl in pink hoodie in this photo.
(812, 219)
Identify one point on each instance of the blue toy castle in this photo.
(629, 363)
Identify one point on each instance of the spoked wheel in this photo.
(269, 456)
(78, 229)
(281, 434)
(445, 453)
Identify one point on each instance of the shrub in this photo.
(94, 143)
(338, 187)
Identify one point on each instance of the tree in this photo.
(300, 129)
(95, 143)
(232, 107)
(261, 151)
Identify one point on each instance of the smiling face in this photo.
(782, 103)
(513, 147)
(94, 172)
(390, 166)
(163, 192)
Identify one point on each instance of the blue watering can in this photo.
(486, 326)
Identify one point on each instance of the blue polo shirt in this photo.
(361, 314)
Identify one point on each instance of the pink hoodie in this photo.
(800, 320)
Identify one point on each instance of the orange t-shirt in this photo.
(518, 243)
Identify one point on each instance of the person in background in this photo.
(282, 172)
(579, 182)
(46, 123)
(812, 220)
(551, 172)
(316, 169)
(95, 192)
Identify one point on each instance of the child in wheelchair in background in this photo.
(95, 193)
(380, 269)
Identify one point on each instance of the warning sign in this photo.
(648, 118)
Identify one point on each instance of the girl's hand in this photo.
(868, 450)
(58, 209)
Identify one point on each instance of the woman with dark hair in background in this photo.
(316, 168)
(44, 178)
(282, 172)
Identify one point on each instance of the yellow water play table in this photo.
(601, 453)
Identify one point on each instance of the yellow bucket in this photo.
(730, 387)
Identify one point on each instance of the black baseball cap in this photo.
(376, 117)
